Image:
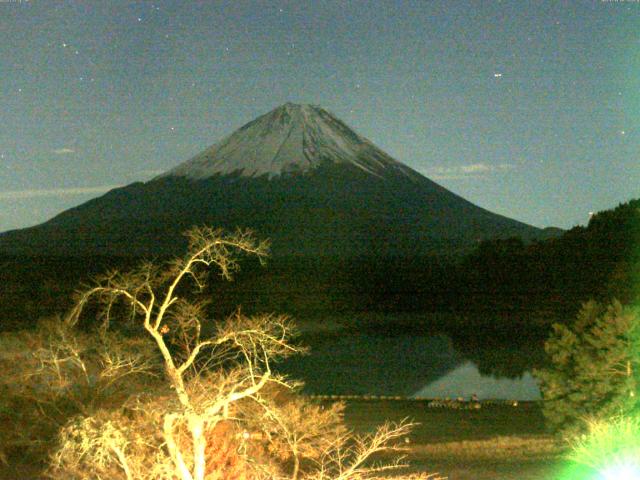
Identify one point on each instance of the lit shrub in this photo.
(594, 367)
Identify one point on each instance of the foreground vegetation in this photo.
(594, 367)
(151, 389)
(497, 442)
(136, 383)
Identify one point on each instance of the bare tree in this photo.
(176, 324)
(215, 416)
(55, 372)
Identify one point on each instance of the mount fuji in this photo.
(290, 139)
(297, 175)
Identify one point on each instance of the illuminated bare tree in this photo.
(216, 416)
(55, 372)
(176, 326)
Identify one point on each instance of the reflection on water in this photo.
(359, 363)
(465, 381)
(368, 363)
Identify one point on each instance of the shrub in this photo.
(56, 372)
(594, 367)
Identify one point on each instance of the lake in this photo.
(347, 362)
(466, 380)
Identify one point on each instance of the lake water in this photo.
(361, 363)
(466, 380)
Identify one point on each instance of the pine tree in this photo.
(594, 369)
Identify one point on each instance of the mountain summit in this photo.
(290, 139)
(297, 175)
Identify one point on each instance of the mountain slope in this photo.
(290, 139)
(297, 175)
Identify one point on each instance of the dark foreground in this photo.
(497, 442)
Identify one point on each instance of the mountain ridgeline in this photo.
(296, 175)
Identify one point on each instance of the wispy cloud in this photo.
(54, 192)
(473, 170)
(63, 151)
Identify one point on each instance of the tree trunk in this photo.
(196, 425)
(296, 465)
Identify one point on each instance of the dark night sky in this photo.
(528, 108)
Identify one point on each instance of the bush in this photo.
(594, 367)
(56, 372)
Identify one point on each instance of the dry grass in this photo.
(500, 458)
(493, 443)
(503, 449)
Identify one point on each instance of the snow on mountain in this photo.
(290, 139)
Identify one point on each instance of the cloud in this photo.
(445, 176)
(475, 168)
(55, 192)
(459, 172)
(63, 151)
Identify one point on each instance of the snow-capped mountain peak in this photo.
(291, 138)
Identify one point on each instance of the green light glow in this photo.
(574, 471)
(618, 471)
(611, 450)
